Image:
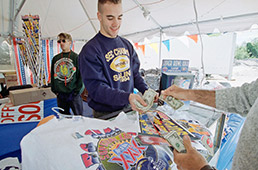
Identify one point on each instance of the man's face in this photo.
(65, 44)
(110, 17)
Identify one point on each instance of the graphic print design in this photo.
(119, 150)
(147, 122)
(120, 64)
(64, 69)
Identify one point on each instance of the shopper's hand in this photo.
(191, 160)
(176, 92)
(135, 97)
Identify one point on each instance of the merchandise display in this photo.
(131, 141)
(101, 85)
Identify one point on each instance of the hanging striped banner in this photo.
(51, 55)
(20, 71)
(47, 50)
(32, 77)
(51, 50)
(44, 53)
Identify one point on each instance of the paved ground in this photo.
(244, 71)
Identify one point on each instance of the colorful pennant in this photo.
(167, 44)
(194, 37)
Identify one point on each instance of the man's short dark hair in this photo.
(101, 2)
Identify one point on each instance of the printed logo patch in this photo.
(120, 63)
(64, 68)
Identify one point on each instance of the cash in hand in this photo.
(148, 97)
(171, 101)
(175, 141)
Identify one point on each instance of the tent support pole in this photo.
(85, 11)
(160, 45)
(2, 5)
(11, 24)
(19, 9)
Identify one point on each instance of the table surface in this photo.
(206, 116)
(12, 134)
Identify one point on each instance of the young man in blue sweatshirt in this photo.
(109, 64)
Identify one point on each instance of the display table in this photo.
(12, 134)
(122, 143)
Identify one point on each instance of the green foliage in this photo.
(241, 53)
(251, 50)
(248, 50)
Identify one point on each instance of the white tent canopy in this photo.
(173, 17)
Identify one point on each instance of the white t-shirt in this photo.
(69, 144)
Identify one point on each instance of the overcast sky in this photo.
(246, 36)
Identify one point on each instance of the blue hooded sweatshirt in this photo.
(110, 71)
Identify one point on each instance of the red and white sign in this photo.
(23, 113)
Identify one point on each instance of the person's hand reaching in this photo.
(191, 160)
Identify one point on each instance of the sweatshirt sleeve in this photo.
(237, 99)
(139, 82)
(95, 82)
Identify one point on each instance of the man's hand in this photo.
(191, 160)
(176, 92)
(207, 97)
(135, 97)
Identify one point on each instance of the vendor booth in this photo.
(132, 140)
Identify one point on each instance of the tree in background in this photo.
(241, 53)
(252, 49)
(247, 50)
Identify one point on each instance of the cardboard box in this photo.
(10, 80)
(2, 80)
(34, 94)
(8, 71)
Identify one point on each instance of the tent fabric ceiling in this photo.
(173, 17)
